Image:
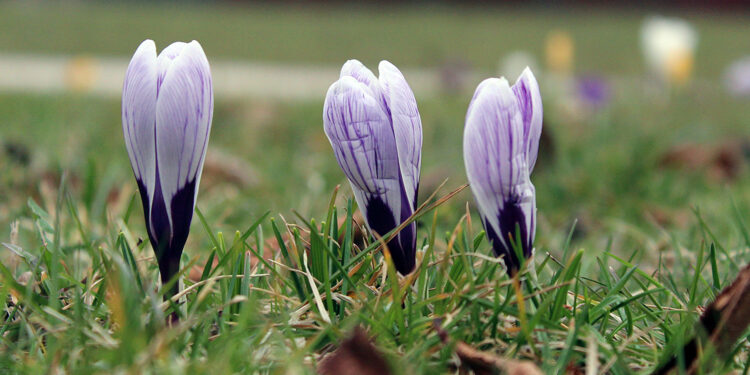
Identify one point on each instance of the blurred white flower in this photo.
(669, 47)
(737, 77)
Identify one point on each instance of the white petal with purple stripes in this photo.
(493, 146)
(362, 140)
(184, 110)
(529, 99)
(407, 126)
(138, 113)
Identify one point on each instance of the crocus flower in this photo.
(376, 133)
(501, 139)
(593, 91)
(167, 106)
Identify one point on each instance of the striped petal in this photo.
(165, 59)
(407, 127)
(139, 116)
(529, 99)
(493, 139)
(362, 140)
(184, 109)
(355, 69)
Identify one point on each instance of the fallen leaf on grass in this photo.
(723, 323)
(574, 369)
(356, 356)
(719, 162)
(359, 234)
(227, 168)
(483, 363)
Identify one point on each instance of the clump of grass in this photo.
(83, 302)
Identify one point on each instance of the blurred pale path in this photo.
(232, 79)
(294, 53)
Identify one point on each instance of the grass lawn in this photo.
(628, 246)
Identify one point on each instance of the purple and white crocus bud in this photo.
(376, 133)
(167, 106)
(501, 140)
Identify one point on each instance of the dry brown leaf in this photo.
(573, 369)
(486, 363)
(358, 236)
(722, 323)
(223, 167)
(196, 272)
(667, 217)
(722, 161)
(356, 356)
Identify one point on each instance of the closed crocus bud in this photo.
(501, 140)
(167, 106)
(376, 133)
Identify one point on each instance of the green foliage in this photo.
(282, 272)
(278, 313)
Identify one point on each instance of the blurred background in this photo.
(647, 110)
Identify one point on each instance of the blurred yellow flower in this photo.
(559, 51)
(81, 73)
